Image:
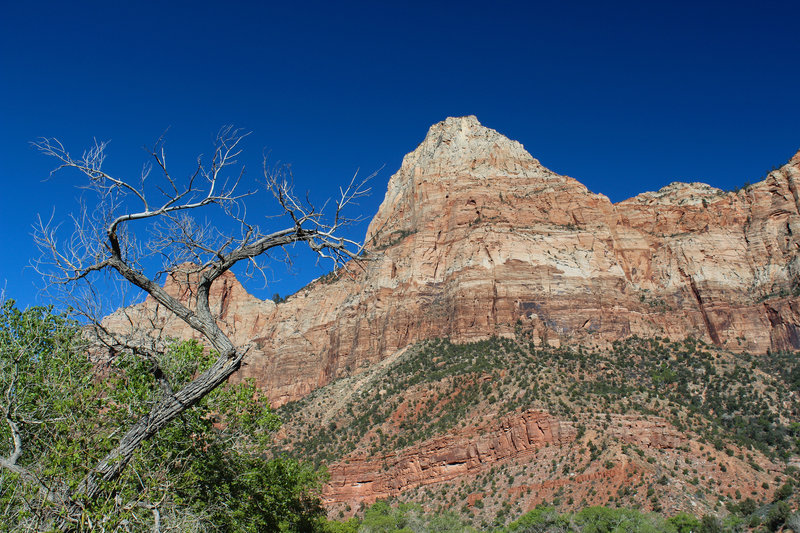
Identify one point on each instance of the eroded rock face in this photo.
(475, 237)
(444, 458)
(519, 452)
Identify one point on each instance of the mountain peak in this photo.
(452, 124)
(464, 141)
(458, 155)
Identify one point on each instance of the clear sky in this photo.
(623, 96)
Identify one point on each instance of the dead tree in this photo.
(105, 238)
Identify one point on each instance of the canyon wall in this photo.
(475, 237)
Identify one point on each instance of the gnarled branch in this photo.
(131, 226)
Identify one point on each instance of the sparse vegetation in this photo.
(739, 408)
(439, 384)
(395, 237)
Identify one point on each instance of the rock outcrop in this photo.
(516, 457)
(474, 449)
(444, 458)
(476, 237)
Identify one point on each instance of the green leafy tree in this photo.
(785, 491)
(40, 380)
(206, 470)
(409, 518)
(685, 523)
(793, 522)
(539, 520)
(777, 515)
(710, 524)
(606, 520)
(46, 392)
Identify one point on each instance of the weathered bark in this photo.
(159, 416)
(201, 320)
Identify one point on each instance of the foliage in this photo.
(206, 470)
(684, 523)
(538, 520)
(785, 491)
(409, 518)
(393, 238)
(777, 515)
(48, 396)
(744, 187)
(597, 520)
(382, 517)
(349, 526)
(793, 522)
(43, 384)
(605, 520)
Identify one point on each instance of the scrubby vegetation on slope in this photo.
(737, 414)
(724, 397)
(411, 518)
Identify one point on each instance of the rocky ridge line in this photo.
(476, 237)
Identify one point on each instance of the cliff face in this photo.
(444, 458)
(517, 453)
(499, 238)
(475, 236)
(466, 452)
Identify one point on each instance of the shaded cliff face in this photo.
(476, 237)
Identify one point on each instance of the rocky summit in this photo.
(475, 237)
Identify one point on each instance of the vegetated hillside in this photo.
(494, 428)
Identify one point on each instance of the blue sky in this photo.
(623, 96)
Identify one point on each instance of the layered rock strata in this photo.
(475, 237)
(468, 451)
(443, 458)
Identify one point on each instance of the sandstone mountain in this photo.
(511, 338)
(476, 238)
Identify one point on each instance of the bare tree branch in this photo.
(107, 236)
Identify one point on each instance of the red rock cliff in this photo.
(475, 236)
